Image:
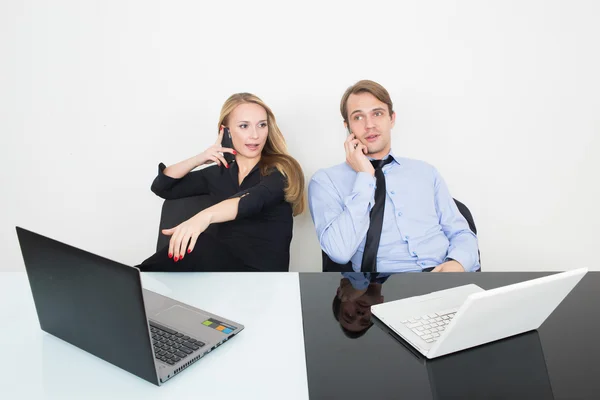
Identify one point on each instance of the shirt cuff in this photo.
(464, 258)
(358, 280)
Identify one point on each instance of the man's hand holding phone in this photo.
(215, 153)
(356, 155)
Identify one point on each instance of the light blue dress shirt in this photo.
(362, 280)
(422, 226)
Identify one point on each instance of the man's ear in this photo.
(393, 119)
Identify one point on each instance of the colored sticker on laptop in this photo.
(218, 325)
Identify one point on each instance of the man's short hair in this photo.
(366, 86)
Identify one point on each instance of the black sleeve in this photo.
(193, 184)
(269, 192)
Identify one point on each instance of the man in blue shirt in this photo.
(422, 228)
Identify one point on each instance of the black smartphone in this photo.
(227, 142)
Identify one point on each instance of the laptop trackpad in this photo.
(182, 319)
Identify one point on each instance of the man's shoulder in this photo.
(414, 163)
(333, 173)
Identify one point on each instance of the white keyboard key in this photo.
(414, 325)
(445, 317)
(438, 319)
(447, 322)
(412, 321)
(427, 331)
(441, 328)
(436, 335)
(418, 332)
(420, 328)
(417, 318)
(424, 337)
(433, 315)
(434, 324)
(404, 321)
(429, 341)
(434, 329)
(427, 326)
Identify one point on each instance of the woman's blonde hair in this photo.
(274, 154)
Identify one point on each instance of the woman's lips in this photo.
(252, 147)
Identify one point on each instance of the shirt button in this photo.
(370, 185)
(414, 254)
(392, 192)
(406, 237)
(399, 214)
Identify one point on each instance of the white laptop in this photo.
(463, 317)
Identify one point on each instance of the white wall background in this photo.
(503, 97)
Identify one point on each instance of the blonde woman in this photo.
(255, 197)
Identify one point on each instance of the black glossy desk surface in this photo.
(561, 360)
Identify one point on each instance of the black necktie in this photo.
(369, 260)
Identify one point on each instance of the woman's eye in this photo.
(263, 125)
(243, 126)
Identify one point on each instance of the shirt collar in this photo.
(390, 154)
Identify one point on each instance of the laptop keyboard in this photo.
(171, 346)
(430, 326)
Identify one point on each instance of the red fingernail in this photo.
(189, 251)
(176, 258)
(170, 255)
(226, 166)
(181, 258)
(234, 152)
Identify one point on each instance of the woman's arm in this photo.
(178, 181)
(188, 231)
(267, 193)
(181, 169)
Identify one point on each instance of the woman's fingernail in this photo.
(189, 251)
(170, 255)
(234, 152)
(181, 258)
(226, 166)
(176, 258)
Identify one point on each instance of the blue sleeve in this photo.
(463, 242)
(358, 280)
(341, 223)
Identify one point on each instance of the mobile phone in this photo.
(227, 142)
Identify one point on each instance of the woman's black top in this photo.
(261, 233)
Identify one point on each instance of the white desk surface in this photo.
(265, 361)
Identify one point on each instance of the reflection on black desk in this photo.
(559, 361)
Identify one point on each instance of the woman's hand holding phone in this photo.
(215, 153)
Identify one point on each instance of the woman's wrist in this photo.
(197, 160)
(205, 215)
